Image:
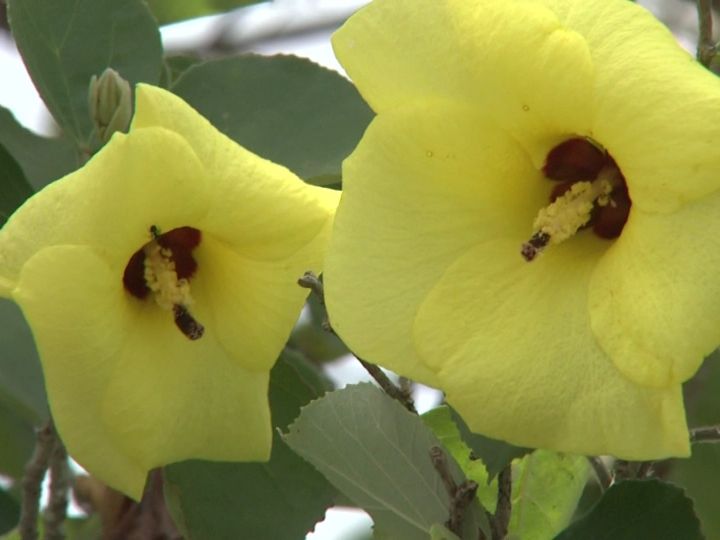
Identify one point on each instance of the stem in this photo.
(601, 471)
(504, 504)
(706, 47)
(60, 482)
(312, 282)
(460, 495)
(705, 434)
(32, 481)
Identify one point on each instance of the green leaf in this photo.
(377, 454)
(18, 440)
(441, 532)
(65, 42)
(175, 66)
(700, 474)
(546, 489)
(631, 510)
(284, 108)
(14, 188)
(9, 512)
(441, 422)
(22, 387)
(41, 159)
(281, 499)
(174, 10)
(496, 455)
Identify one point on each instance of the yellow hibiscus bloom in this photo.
(529, 222)
(160, 284)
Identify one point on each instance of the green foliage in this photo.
(377, 454)
(496, 455)
(174, 10)
(9, 511)
(546, 489)
(65, 42)
(284, 108)
(442, 425)
(281, 499)
(631, 510)
(15, 188)
(21, 381)
(700, 474)
(41, 159)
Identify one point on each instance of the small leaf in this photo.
(65, 42)
(281, 499)
(284, 108)
(14, 188)
(546, 489)
(631, 510)
(496, 455)
(442, 425)
(377, 454)
(41, 159)
(9, 512)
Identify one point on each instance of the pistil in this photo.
(570, 212)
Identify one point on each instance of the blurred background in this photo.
(214, 28)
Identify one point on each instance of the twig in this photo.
(460, 495)
(501, 521)
(705, 434)
(32, 481)
(60, 483)
(645, 469)
(601, 472)
(312, 282)
(706, 48)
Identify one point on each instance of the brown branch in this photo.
(501, 520)
(60, 483)
(461, 496)
(705, 434)
(601, 472)
(312, 282)
(32, 481)
(706, 48)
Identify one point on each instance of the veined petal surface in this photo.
(512, 346)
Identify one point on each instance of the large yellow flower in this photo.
(160, 284)
(570, 325)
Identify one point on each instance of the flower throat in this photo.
(590, 192)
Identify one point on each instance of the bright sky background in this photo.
(18, 94)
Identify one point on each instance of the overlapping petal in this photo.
(422, 188)
(654, 298)
(512, 346)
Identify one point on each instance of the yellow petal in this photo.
(655, 298)
(654, 108)
(150, 177)
(514, 60)
(252, 305)
(260, 208)
(128, 391)
(513, 350)
(426, 184)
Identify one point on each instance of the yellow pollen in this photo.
(161, 278)
(562, 218)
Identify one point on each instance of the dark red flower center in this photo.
(579, 160)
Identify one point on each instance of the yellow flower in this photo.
(570, 325)
(160, 284)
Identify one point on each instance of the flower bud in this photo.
(109, 99)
